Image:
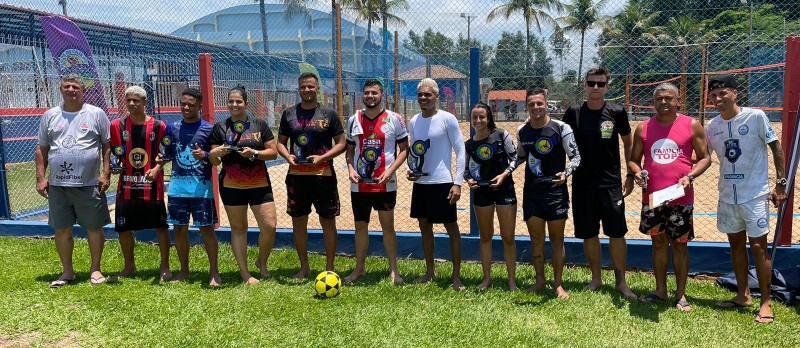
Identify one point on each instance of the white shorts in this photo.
(752, 216)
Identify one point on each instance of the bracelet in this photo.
(207, 154)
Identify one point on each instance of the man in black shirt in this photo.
(309, 138)
(597, 193)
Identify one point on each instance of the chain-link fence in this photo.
(523, 44)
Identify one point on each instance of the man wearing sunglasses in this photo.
(597, 192)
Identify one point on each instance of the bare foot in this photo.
(396, 279)
(301, 274)
(484, 284)
(458, 285)
(165, 274)
(765, 314)
(736, 301)
(215, 280)
(512, 286)
(262, 268)
(626, 291)
(536, 287)
(425, 278)
(593, 285)
(126, 272)
(353, 276)
(251, 280)
(562, 294)
(180, 277)
(683, 305)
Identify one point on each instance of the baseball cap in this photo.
(722, 81)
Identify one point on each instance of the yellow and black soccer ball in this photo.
(328, 284)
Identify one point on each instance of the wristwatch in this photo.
(255, 155)
(691, 178)
(781, 181)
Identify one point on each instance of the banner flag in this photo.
(72, 54)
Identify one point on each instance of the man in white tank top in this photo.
(740, 137)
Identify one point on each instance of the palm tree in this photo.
(631, 26)
(561, 43)
(581, 16)
(293, 7)
(533, 11)
(684, 31)
(373, 11)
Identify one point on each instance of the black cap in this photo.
(722, 81)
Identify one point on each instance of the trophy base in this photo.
(117, 168)
(544, 179)
(235, 148)
(484, 183)
(167, 158)
(419, 174)
(368, 181)
(303, 161)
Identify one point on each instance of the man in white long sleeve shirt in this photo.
(434, 134)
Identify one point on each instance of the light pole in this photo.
(469, 45)
(750, 33)
(63, 4)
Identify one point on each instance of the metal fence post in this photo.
(5, 208)
(791, 94)
(474, 98)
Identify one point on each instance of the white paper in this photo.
(661, 197)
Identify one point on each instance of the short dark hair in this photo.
(535, 91)
(239, 89)
(373, 82)
(194, 93)
(599, 71)
(489, 115)
(306, 75)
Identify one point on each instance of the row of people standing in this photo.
(377, 143)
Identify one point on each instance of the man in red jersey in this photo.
(140, 193)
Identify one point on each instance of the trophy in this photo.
(366, 164)
(300, 144)
(480, 164)
(239, 127)
(416, 157)
(166, 148)
(117, 155)
(535, 166)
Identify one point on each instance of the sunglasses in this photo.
(596, 84)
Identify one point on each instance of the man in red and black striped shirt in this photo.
(140, 193)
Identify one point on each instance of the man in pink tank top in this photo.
(666, 142)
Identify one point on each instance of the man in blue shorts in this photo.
(190, 191)
(73, 138)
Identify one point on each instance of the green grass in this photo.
(278, 312)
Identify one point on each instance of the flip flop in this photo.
(731, 304)
(651, 298)
(764, 319)
(60, 283)
(684, 305)
(97, 281)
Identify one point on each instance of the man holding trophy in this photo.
(435, 134)
(377, 144)
(139, 139)
(309, 138)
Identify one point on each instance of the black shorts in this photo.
(364, 202)
(592, 205)
(549, 205)
(429, 201)
(138, 214)
(304, 190)
(488, 196)
(250, 196)
(675, 221)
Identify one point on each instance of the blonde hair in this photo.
(429, 82)
(137, 91)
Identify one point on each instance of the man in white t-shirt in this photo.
(740, 136)
(435, 134)
(377, 144)
(72, 139)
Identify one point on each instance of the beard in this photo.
(373, 105)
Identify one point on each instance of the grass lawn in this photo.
(278, 312)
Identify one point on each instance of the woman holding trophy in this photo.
(491, 159)
(241, 144)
